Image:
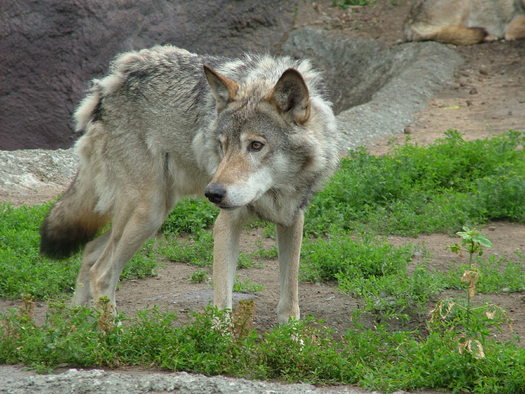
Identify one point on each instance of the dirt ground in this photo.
(486, 98)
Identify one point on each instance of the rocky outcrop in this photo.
(49, 50)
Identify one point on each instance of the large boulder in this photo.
(51, 49)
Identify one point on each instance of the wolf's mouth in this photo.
(227, 207)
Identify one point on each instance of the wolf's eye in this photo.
(255, 146)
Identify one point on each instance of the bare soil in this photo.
(486, 98)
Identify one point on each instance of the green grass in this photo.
(198, 250)
(246, 286)
(497, 274)
(350, 3)
(416, 189)
(190, 216)
(24, 271)
(297, 352)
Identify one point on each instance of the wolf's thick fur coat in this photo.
(256, 135)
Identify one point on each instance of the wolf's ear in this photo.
(223, 89)
(290, 96)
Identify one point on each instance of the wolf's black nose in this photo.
(215, 193)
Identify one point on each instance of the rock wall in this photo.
(49, 50)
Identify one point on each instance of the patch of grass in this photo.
(328, 259)
(373, 270)
(199, 276)
(246, 286)
(344, 4)
(190, 216)
(143, 264)
(416, 190)
(304, 351)
(197, 249)
(396, 296)
(24, 271)
(496, 274)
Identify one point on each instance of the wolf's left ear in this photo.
(290, 96)
(223, 88)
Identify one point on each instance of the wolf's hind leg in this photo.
(289, 239)
(131, 227)
(92, 252)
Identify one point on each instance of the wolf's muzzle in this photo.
(215, 193)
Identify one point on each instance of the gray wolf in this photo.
(255, 135)
(465, 22)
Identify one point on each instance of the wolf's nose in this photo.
(215, 193)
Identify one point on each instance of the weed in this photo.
(242, 319)
(352, 3)
(471, 324)
(246, 286)
(474, 242)
(197, 249)
(199, 276)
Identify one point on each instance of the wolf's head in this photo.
(258, 133)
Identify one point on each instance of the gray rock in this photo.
(376, 90)
(52, 49)
(15, 381)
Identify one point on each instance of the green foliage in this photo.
(352, 3)
(390, 361)
(143, 264)
(329, 259)
(246, 286)
(197, 249)
(397, 295)
(199, 276)
(496, 274)
(304, 351)
(472, 240)
(416, 190)
(24, 271)
(443, 187)
(374, 270)
(190, 216)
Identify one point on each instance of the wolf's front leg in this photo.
(289, 240)
(226, 233)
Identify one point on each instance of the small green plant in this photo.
(199, 276)
(352, 3)
(472, 324)
(474, 242)
(246, 286)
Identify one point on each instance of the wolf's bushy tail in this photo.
(71, 223)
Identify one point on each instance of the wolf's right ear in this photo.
(290, 96)
(223, 88)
